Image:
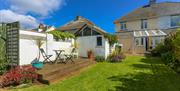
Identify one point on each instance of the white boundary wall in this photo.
(29, 50)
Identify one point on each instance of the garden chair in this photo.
(74, 53)
(69, 57)
(46, 57)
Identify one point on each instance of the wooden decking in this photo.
(54, 72)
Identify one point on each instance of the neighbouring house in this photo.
(43, 28)
(142, 29)
(89, 37)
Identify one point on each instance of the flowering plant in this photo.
(18, 75)
(114, 57)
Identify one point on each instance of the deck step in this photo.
(66, 70)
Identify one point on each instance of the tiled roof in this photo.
(151, 11)
(78, 24)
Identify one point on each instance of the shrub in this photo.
(3, 66)
(114, 57)
(160, 48)
(99, 59)
(167, 58)
(170, 51)
(118, 48)
(18, 75)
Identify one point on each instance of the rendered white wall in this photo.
(60, 45)
(89, 43)
(28, 51)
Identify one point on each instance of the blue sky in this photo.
(59, 12)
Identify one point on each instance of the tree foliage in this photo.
(111, 38)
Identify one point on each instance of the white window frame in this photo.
(140, 41)
(144, 23)
(123, 26)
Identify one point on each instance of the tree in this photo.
(111, 38)
(39, 43)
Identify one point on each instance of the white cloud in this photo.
(40, 7)
(26, 21)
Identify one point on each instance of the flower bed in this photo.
(18, 75)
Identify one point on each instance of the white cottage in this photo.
(89, 37)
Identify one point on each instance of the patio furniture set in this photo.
(61, 57)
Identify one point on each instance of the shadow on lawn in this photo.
(161, 78)
(152, 60)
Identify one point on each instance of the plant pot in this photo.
(38, 65)
(90, 55)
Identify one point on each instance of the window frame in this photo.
(144, 23)
(140, 41)
(99, 42)
(123, 26)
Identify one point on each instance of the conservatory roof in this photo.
(147, 33)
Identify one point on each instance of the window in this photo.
(175, 20)
(157, 40)
(144, 24)
(139, 41)
(87, 31)
(123, 25)
(95, 32)
(99, 41)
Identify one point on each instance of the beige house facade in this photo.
(142, 29)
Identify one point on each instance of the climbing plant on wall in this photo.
(62, 35)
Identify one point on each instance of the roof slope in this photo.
(152, 11)
(78, 23)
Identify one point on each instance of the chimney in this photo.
(151, 2)
(78, 17)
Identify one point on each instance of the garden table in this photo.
(58, 56)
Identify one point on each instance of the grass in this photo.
(134, 74)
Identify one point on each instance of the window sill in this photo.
(140, 45)
(99, 46)
(174, 26)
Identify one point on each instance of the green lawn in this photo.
(134, 74)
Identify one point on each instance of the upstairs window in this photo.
(123, 26)
(175, 20)
(99, 41)
(144, 24)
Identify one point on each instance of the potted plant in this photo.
(90, 54)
